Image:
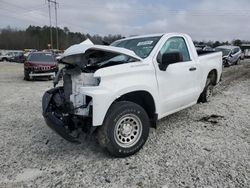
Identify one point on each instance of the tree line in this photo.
(35, 37)
(213, 44)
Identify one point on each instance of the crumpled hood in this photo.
(82, 48)
(78, 48)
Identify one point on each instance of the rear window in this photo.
(41, 57)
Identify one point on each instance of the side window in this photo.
(175, 44)
(235, 50)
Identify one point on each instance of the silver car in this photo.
(231, 54)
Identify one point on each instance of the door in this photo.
(237, 54)
(178, 85)
(234, 55)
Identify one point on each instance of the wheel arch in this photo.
(145, 100)
(213, 74)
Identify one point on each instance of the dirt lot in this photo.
(188, 149)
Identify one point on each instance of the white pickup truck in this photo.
(121, 90)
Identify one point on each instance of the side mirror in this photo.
(170, 58)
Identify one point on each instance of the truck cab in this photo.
(120, 91)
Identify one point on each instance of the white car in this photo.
(231, 55)
(7, 56)
(121, 90)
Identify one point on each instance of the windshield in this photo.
(141, 46)
(225, 52)
(41, 57)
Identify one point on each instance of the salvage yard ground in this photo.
(207, 145)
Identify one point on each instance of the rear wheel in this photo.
(207, 93)
(125, 129)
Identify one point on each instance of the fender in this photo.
(101, 94)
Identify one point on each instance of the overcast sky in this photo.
(202, 19)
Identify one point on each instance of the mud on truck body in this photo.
(120, 91)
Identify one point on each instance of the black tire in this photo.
(207, 92)
(4, 59)
(237, 62)
(111, 137)
(226, 64)
(26, 75)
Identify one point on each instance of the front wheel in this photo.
(26, 75)
(237, 62)
(125, 129)
(226, 63)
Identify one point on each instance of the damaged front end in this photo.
(55, 118)
(65, 110)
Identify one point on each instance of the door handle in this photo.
(192, 69)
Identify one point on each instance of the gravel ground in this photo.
(207, 145)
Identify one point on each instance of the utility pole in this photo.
(51, 41)
(57, 45)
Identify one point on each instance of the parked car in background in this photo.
(28, 51)
(58, 56)
(40, 64)
(231, 55)
(57, 53)
(246, 50)
(18, 57)
(6, 56)
(208, 48)
(13, 56)
(203, 49)
(247, 53)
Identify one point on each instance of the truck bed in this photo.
(203, 52)
(210, 61)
